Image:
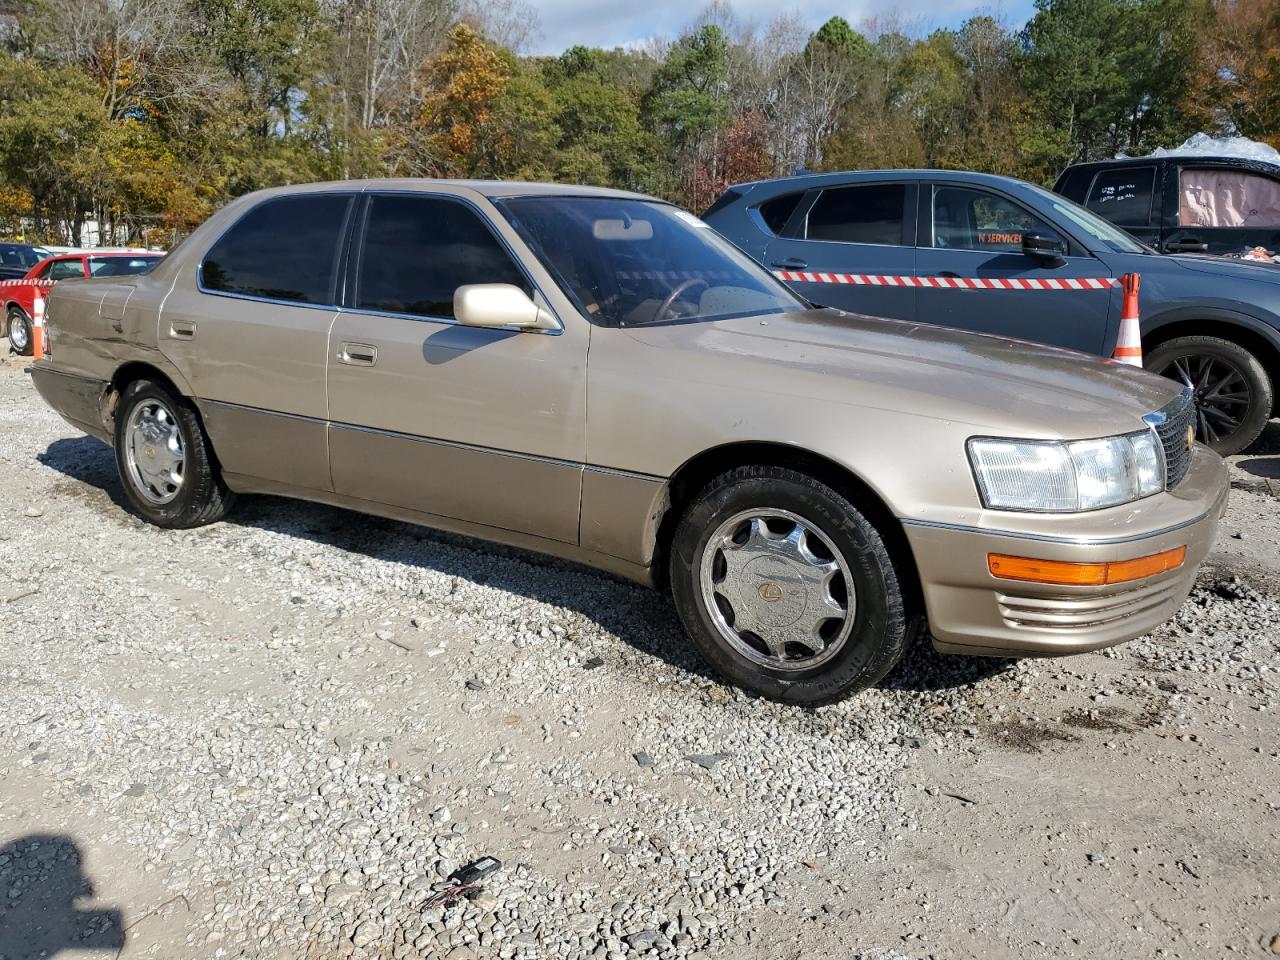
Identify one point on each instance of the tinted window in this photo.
(871, 214)
(1227, 198)
(65, 270)
(965, 219)
(17, 255)
(1123, 195)
(283, 249)
(777, 212)
(631, 262)
(120, 266)
(419, 250)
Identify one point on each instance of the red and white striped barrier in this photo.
(949, 283)
(27, 283)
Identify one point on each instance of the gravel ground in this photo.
(276, 737)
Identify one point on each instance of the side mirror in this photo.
(496, 305)
(1043, 248)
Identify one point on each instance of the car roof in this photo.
(492, 189)
(806, 181)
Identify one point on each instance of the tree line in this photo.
(146, 115)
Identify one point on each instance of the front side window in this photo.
(1210, 197)
(283, 249)
(868, 214)
(120, 266)
(418, 250)
(66, 270)
(965, 219)
(631, 262)
(1123, 195)
(16, 255)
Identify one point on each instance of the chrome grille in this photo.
(1172, 431)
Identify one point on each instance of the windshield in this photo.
(1104, 231)
(120, 266)
(631, 262)
(17, 255)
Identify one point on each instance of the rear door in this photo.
(976, 233)
(251, 335)
(1222, 208)
(1128, 196)
(844, 246)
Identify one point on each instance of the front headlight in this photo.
(1067, 477)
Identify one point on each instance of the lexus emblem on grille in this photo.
(1191, 436)
(770, 592)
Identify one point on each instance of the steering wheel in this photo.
(674, 295)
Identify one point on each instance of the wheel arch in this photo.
(1258, 337)
(133, 370)
(695, 473)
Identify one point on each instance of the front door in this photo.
(485, 426)
(1221, 209)
(977, 234)
(846, 246)
(251, 336)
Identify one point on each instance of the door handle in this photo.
(358, 354)
(1188, 245)
(791, 263)
(182, 329)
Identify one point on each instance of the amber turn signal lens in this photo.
(1084, 574)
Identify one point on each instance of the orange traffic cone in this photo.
(37, 325)
(1129, 343)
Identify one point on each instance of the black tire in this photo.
(17, 322)
(201, 497)
(880, 622)
(1200, 362)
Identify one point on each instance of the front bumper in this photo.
(972, 612)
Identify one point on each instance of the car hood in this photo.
(1223, 267)
(996, 384)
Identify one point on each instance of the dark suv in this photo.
(1183, 204)
(845, 239)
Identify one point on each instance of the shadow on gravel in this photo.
(640, 617)
(39, 915)
(923, 669)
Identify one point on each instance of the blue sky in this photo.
(611, 23)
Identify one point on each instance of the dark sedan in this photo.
(843, 239)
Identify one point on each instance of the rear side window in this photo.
(282, 249)
(1227, 198)
(777, 212)
(870, 214)
(1123, 195)
(419, 250)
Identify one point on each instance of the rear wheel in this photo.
(165, 461)
(18, 328)
(786, 588)
(1232, 391)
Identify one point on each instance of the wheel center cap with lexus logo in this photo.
(777, 597)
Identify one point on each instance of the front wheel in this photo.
(165, 460)
(1232, 391)
(786, 588)
(18, 328)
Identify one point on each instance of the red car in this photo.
(20, 295)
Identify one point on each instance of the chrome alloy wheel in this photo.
(777, 589)
(17, 333)
(153, 452)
